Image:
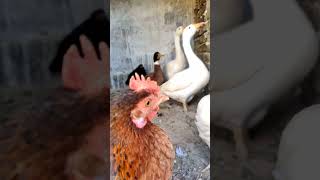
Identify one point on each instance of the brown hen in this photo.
(139, 149)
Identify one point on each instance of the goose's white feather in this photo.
(185, 84)
(180, 62)
(203, 119)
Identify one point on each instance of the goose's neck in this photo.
(179, 52)
(192, 58)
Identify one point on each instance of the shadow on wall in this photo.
(30, 36)
(139, 29)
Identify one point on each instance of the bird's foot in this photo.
(185, 109)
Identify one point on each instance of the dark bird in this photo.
(157, 74)
(139, 70)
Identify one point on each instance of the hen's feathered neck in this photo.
(132, 148)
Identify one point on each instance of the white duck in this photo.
(203, 121)
(185, 84)
(298, 155)
(180, 62)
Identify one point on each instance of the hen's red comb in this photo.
(137, 84)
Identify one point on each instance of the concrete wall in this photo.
(29, 33)
(139, 28)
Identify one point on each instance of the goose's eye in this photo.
(189, 27)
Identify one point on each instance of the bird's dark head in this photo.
(157, 56)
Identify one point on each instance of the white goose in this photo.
(203, 121)
(298, 155)
(185, 84)
(180, 62)
(257, 63)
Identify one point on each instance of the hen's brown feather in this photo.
(145, 153)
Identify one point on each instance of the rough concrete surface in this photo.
(140, 28)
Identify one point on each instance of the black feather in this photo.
(140, 70)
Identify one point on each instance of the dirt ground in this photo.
(183, 132)
(192, 154)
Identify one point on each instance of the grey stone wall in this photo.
(139, 28)
(29, 34)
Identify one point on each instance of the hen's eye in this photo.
(148, 103)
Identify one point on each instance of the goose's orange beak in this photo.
(200, 25)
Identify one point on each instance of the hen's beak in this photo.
(200, 25)
(139, 118)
